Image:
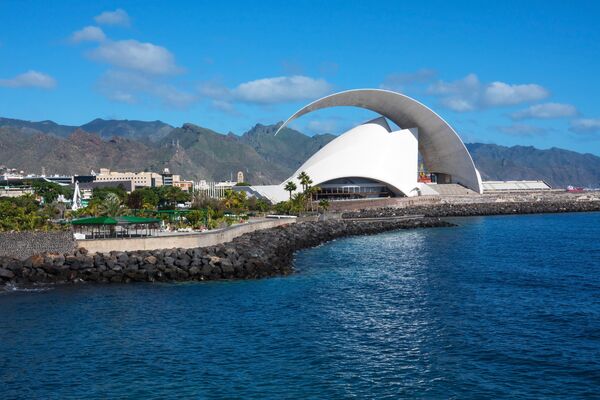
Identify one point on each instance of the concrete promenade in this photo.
(184, 241)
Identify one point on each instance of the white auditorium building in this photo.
(372, 160)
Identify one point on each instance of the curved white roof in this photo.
(368, 151)
(440, 146)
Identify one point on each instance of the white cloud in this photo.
(469, 94)
(523, 130)
(546, 111)
(585, 125)
(129, 87)
(33, 79)
(458, 104)
(270, 90)
(281, 89)
(134, 55)
(118, 17)
(504, 94)
(461, 95)
(400, 81)
(88, 34)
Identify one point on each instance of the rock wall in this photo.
(25, 244)
(258, 254)
(512, 197)
(472, 209)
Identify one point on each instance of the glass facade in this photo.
(352, 189)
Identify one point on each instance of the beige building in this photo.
(186, 186)
(144, 179)
(138, 179)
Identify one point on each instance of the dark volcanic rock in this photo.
(473, 209)
(258, 254)
(6, 273)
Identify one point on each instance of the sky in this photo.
(509, 72)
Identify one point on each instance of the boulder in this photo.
(150, 260)
(6, 273)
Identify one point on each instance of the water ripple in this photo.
(500, 307)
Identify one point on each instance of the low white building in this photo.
(215, 190)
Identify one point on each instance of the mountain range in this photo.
(200, 153)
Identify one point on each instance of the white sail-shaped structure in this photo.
(76, 198)
(373, 160)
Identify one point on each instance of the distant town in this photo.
(15, 183)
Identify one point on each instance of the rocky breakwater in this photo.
(258, 254)
(473, 209)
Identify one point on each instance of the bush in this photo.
(25, 214)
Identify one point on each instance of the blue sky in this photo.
(500, 72)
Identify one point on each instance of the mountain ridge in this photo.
(201, 153)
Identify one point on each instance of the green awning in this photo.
(137, 220)
(125, 220)
(95, 221)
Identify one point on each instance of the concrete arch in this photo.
(440, 146)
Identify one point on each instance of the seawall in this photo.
(551, 196)
(475, 209)
(26, 244)
(257, 254)
(184, 241)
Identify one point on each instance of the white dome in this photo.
(368, 151)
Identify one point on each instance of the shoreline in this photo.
(258, 254)
(254, 255)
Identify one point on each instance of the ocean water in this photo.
(499, 307)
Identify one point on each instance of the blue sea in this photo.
(498, 307)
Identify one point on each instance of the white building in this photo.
(373, 160)
(215, 190)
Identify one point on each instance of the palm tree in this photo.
(290, 187)
(230, 199)
(308, 195)
(111, 206)
(305, 180)
(324, 204)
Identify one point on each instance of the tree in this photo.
(305, 181)
(283, 207)
(256, 204)
(196, 217)
(308, 194)
(262, 205)
(170, 196)
(201, 200)
(143, 198)
(234, 200)
(297, 203)
(99, 194)
(49, 191)
(24, 213)
(324, 204)
(111, 206)
(290, 187)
